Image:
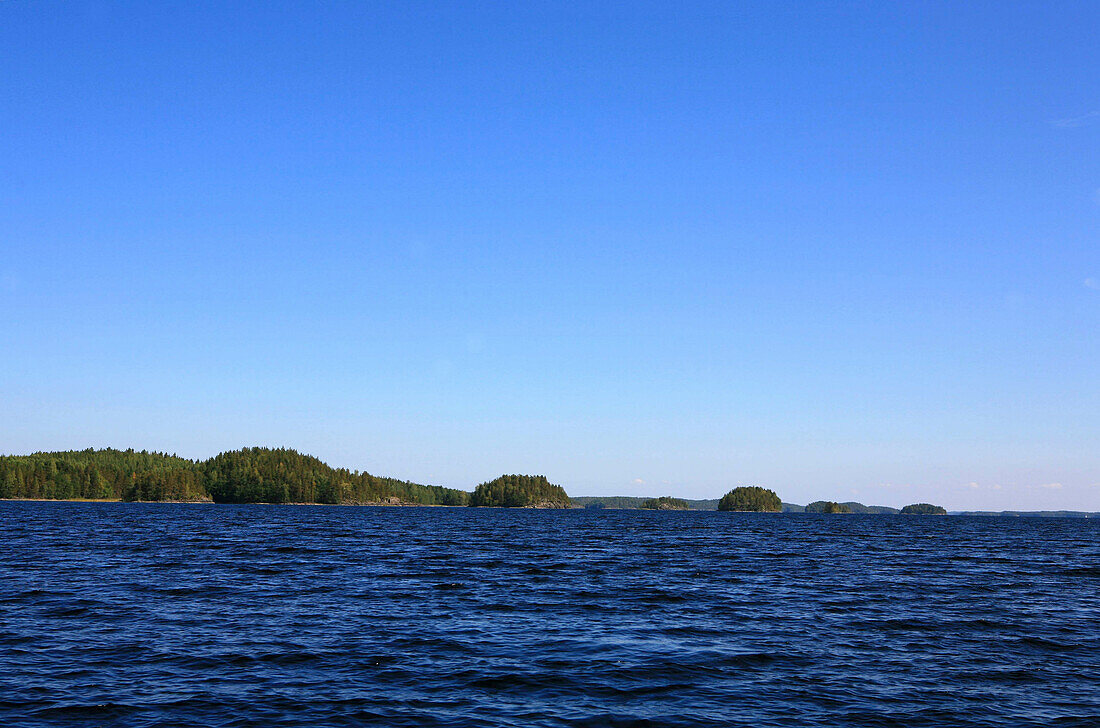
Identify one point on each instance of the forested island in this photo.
(520, 491)
(250, 475)
(633, 502)
(665, 503)
(751, 498)
(923, 509)
(848, 507)
(828, 507)
(283, 475)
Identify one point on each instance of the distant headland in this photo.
(283, 475)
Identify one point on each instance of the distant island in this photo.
(520, 491)
(1028, 514)
(849, 507)
(923, 509)
(828, 507)
(283, 475)
(665, 503)
(751, 498)
(634, 502)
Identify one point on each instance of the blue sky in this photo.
(842, 250)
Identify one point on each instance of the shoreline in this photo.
(1076, 515)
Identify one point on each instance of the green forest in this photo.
(101, 474)
(846, 507)
(750, 498)
(520, 491)
(251, 475)
(665, 503)
(923, 509)
(283, 475)
(617, 502)
(827, 507)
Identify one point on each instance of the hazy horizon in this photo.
(841, 252)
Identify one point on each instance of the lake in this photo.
(193, 615)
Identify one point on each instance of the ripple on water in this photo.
(162, 615)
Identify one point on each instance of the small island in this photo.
(923, 509)
(751, 498)
(665, 503)
(520, 491)
(828, 507)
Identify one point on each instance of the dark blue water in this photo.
(191, 615)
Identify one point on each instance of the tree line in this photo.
(100, 474)
(520, 491)
(633, 502)
(283, 475)
(250, 475)
(665, 503)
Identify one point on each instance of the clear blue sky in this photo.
(841, 250)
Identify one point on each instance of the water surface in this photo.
(193, 615)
